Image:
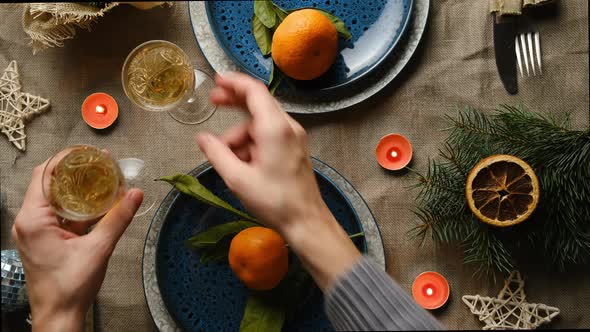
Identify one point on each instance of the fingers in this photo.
(237, 136)
(300, 133)
(30, 225)
(270, 124)
(14, 233)
(78, 227)
(243, 153)
(111, 227)
(226, 97)
(238, 140)
(34, 196)
(223, 159)
(242, 90)
(269, 120)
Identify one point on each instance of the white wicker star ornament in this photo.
(16, 106)
(509, 311)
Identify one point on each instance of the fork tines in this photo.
(525, 51)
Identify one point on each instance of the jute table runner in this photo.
(454, 66)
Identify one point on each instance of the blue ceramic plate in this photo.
(376, 28)
(207, 297)
(321, 101)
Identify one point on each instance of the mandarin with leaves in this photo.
(258, 256)
(305, 44)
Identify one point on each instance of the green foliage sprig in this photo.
(214, 242)
(559, 229)
(191, 186)
(268, 310)
(267, 18)
(264, 311)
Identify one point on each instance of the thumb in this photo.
(115, 222)
(223, 159)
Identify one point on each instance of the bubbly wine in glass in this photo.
(82, 183)
(158, 76)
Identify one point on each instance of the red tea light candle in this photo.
(394, 152)
(100, 110)
(430, 290)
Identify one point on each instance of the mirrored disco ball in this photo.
(14, 293)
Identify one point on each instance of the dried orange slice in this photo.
(502, 190)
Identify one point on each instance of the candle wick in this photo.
(394, 154)
(100, 109)
(429, 291)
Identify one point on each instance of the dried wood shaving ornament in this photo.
(16, 106)
(50, 24)
(509, 311)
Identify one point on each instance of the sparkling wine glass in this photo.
(138, 175)
(158, 76)
(82, 183)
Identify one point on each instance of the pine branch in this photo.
(559, 229)
(484, 248)
(455, 158)
(437, 181)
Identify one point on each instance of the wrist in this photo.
(316, 218)
(58, 320)
(323, 246)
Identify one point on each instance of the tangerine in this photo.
(259, 258)
(305, 44)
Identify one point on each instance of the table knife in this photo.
(504, 34)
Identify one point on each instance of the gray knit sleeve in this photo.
(366, 298)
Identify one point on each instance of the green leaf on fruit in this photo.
(295, 289)
(275, 79)
(218, 252)
(189, 185)
(211, 237)
(262, 35)
(338, 23)
(264, 10)
(268, 310)
(262, 313)
(281, 13)
(272, 73)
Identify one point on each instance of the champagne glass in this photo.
(137, 175)
(82, 183)
(158, 76)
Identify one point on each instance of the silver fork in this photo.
(530, 45)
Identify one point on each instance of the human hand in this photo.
(266, 163)
(65, 267)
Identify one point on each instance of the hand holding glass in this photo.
(82, 183)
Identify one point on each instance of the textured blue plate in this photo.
(376, 28)
(207, 297)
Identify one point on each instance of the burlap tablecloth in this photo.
(453, 66)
